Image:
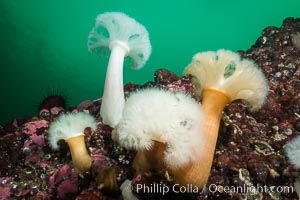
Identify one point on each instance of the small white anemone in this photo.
(126, 189)
(69, 125)
(292, 150)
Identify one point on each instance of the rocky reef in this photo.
(249, 151)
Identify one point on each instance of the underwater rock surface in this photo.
(249, 150)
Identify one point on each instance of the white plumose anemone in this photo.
(70, 127)
(124, 37)
(170, 118)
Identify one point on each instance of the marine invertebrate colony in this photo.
(125, 38)
(220, 77)
(70, 127)
(163, 126)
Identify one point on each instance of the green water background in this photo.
(43, 42)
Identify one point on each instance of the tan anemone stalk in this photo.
(163, 127)
(70, 127)
(220, 77)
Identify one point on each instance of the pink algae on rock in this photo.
(66, 187)
(31, 127)
(5, 192)
(64, 181)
